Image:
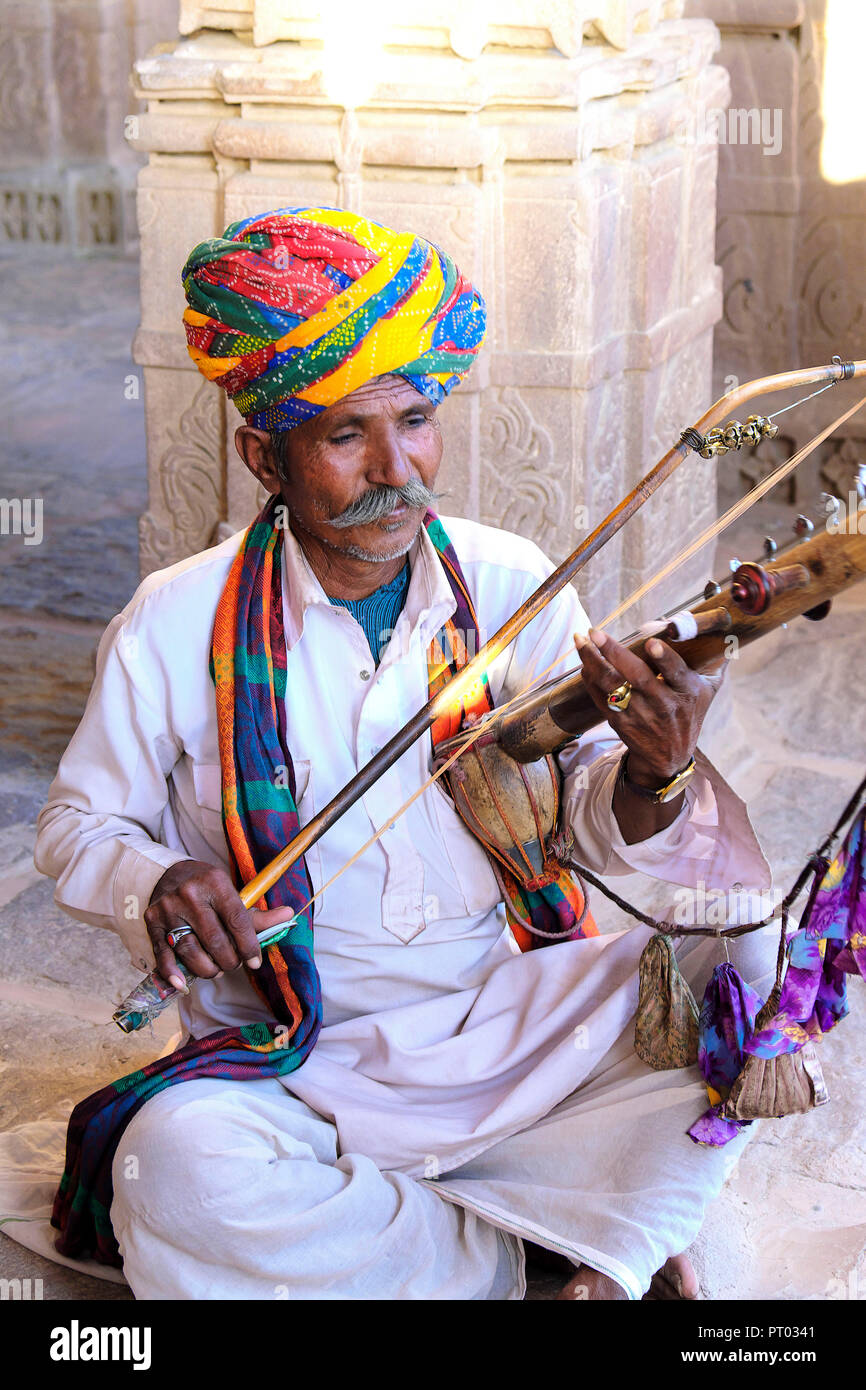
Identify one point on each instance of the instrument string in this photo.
(730, 516)
(727, 519)
(802, 401)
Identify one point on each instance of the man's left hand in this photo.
(668, 704)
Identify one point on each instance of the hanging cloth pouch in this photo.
(666, 1026)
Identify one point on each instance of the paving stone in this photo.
(51, 1059)
(78, 446)
(88, 572)
(20, 806)
(46, 676)
(792, 1218)
(45, 946)
(55, 1281)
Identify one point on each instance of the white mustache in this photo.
(379, 502)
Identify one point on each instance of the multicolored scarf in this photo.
(260, 816)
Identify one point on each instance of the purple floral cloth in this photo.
(839, 906)
(830, 944)
(726, 1022)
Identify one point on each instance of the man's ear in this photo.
(257, 452)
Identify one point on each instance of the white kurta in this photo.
(439, 1042)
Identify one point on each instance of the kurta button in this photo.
(365, 675)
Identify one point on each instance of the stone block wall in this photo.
(548, 159)
(67, 173)
(789, 240)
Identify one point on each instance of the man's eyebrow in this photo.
(348, 420)
(423, 407)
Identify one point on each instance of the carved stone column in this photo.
(546, 152)
(790, 234)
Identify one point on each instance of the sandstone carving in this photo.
(187, 504)
(519, 486)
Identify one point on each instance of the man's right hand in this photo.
(203, 897)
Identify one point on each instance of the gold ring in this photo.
(619, 699)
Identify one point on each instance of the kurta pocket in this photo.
(306, 803)
(207, 781)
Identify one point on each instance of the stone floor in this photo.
(792, 1220)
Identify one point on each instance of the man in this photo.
(461, 1097)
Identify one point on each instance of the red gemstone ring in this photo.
(619, 699)
(173, 937)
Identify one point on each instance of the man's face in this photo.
(384, 436)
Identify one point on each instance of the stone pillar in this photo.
(789, 240)
(548, 158)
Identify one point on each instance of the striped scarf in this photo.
(260, 816)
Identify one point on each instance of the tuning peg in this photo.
(753, 588)
(711, 588)
(734, 564)
(829, 503)
(769, 547)
(803, 526)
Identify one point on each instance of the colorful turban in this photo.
(292, 310)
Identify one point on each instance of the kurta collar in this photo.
(429, 601)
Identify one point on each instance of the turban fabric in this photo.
(292, 310)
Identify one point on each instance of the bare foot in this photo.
(676, 1279)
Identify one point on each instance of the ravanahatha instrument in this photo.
(775, 589)
(757, 598)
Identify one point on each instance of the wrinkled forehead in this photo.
(388, 394)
